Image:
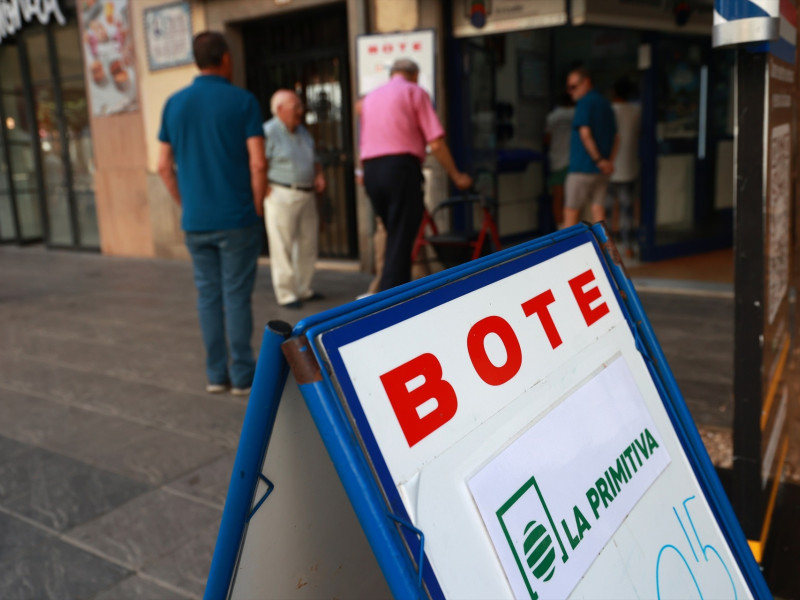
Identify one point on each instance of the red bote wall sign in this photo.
(376, 53)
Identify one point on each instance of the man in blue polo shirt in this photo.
(211, 159)
(592, 149)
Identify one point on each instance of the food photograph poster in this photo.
(108, 51)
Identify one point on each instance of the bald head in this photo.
(405, 67)
(287, 106)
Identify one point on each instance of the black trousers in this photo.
(395, 185)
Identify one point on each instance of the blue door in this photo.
(687, 149)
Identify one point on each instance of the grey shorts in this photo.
(583, 188)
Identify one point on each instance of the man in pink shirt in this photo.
(397, 122)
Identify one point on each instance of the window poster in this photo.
(168, 33)
(109, 57)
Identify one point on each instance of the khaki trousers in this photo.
(292, 232)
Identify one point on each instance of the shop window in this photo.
(48, 157)
(20, 134)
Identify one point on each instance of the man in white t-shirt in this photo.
(622, 186)
(558, 128)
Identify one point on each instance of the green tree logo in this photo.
(539, 551)
(534, 545)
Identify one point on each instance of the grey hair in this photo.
(405, 66)
(279, 98)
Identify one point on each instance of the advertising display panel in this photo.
(522, 439)
(509, 428)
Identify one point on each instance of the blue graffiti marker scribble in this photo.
(688, 568)
(705, 549)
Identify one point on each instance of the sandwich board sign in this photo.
(510, 429)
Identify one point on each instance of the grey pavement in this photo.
(114, 462)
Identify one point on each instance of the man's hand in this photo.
(166, 170)
(319, 182)
(462, 181)
(258, 171)
(606, 166)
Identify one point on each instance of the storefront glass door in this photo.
(46, 175)
(687, 148)
(19, 131)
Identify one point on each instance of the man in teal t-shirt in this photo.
(211, 159)
(592, 149)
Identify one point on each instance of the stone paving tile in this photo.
(183, 342)
(129, 364)
(146, 528)
(36, 566)
(10, 449)
(137, 588)
(209, 482)
(215, 418)
(696, 336)
(130, 449)
(187, 567)
(60, 492)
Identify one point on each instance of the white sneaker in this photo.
(240, 391)
(216, 388)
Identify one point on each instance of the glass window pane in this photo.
(68, 48)
(18, 126)
(55, 181)
(87, 219)
(58, 213)
(79, 139)
(38, 57)
(10, 75)
(7, 231)
(23, 168)
(30, 218)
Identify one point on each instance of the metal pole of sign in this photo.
(765, 75)
(749, 289)
(262, 408)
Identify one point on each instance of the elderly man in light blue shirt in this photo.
(290, 208)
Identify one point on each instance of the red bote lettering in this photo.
(406, 403)
(538, 305)
(584, 298)
(476, 345)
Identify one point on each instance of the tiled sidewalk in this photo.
(114, 462)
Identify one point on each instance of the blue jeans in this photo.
(224, 274)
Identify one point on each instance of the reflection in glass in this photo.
(10, 75)
(19, 132)
(678, 109)
(38, 57)
(55, 182)
(87, 219)
(68, 48)
(30, 218)
(7, 229)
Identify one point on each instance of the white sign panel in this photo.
(546, 527)
(444, 372)
(376, 53)
(511, 417)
